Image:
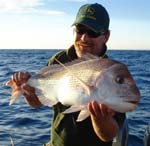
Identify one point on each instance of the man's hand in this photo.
(21, 78)
(105, 126)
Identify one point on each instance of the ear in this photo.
(73, 30)
(107, 34)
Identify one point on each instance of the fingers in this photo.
(103, 109)
(21, 77)
(100, 110)
(110, 112)
(94, 109)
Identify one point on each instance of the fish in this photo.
(79, 82)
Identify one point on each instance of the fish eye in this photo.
(120, 79)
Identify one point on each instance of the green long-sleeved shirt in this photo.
(65, 131)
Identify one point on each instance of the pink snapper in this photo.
(86, 79)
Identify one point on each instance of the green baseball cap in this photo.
(93, 16)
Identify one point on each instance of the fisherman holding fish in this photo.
(91, 33)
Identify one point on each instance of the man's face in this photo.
(87, 41)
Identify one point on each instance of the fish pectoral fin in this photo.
(89, 56)
(73, 108)
(84, 113)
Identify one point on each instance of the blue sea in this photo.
(31, 126)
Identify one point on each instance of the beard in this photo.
(83, 47)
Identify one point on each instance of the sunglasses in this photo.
(82, 30)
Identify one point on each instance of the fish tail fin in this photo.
(16, 91)
(15, 95)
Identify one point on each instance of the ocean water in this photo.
(31, 126)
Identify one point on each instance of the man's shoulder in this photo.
(63, 56)
(59, 55)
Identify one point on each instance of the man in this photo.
(91, 33)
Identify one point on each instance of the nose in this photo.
(84, 37)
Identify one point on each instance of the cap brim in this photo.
(88, 23)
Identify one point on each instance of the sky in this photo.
(46, 24)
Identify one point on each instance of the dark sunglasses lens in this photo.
(92, 34)
(80, 30)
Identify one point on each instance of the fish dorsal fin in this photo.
(55, 67)
(89, 56)
(59, 68)
(86, 87)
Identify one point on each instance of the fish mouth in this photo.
(133, 101)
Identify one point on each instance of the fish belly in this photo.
(70, 90)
